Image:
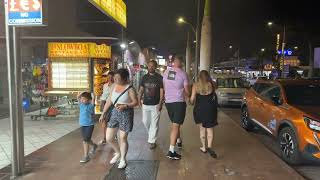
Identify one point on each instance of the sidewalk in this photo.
(36, 133)
(240, 156)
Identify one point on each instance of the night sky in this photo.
(241, 23)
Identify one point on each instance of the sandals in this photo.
(212, 153)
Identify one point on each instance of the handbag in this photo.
(108, 113)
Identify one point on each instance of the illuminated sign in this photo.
(286, 52)
(78, 50)
(25, 12)
(116, 9)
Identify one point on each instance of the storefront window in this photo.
(70, 74)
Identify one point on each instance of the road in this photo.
(308, 170)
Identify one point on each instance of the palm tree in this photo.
(206, 37)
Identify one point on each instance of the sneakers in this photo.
(85, 159)
(122, 165)
(153, 146)
(115, 158)
(173, 155)
(93, 150)
(179, 145)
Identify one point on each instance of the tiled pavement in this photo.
(241, 157)
(37, 133)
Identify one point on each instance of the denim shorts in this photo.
(86, 132)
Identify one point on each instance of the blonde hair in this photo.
(204, 82)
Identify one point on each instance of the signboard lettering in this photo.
(25, 12)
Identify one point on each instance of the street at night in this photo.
(159, 90)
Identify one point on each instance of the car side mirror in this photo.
(276, 100)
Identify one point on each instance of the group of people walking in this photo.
(172, 90)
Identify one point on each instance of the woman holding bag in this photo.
(205, 110)
(119, 107)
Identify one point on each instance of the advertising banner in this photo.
(116, 9)
(78, 50)
(25, 12)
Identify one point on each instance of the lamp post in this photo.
(181, 20)
(270, 24)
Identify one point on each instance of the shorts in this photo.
(177, 112)
(86, 132)
(122, 120)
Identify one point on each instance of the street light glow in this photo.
(270, 23)
(230, 47)
(123, 45)
(181, 20)
(263, 50)
(131, 42)
(296, 47)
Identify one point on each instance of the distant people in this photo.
(86, 105)
(107, 89)
(151, 99)
(205, 110)
(120, 104)
(176, 85)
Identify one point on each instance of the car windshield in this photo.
(230, 83)
(305, 95)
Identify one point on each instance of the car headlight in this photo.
(312, 124)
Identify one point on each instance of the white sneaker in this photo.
(122, 165)
(115, 158)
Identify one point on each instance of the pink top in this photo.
(174, 80)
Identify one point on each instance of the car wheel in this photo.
(246, 122)
(289, 146)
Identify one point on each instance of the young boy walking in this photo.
(86, 104)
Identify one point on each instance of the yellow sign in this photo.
(116, 9)
(78, 50)
(100, 51)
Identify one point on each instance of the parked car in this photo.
(230, 90)
(290, 111)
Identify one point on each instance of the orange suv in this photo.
(290, 111)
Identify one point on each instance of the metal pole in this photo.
(283, 48)
(197, 41)
(14, 73)
(18, 99)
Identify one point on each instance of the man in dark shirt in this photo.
(151, 98)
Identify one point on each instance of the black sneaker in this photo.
(85, 159)
(173, 156)
(93, 150)
(179, 145)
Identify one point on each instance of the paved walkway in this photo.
(37, 133)
(240, 156)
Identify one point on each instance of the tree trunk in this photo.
(206, 35)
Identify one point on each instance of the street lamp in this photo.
(263, 50)
(230, 47)
(181, 20)
(296, 47)
(123, 46)
(283, 46)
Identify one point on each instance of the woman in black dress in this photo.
(205, 110)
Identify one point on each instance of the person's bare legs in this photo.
(175, 131)
(110, 133)
(123, 145)
(202, 138)
(85, 149)
(210, 137)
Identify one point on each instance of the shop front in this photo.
(77, 67)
